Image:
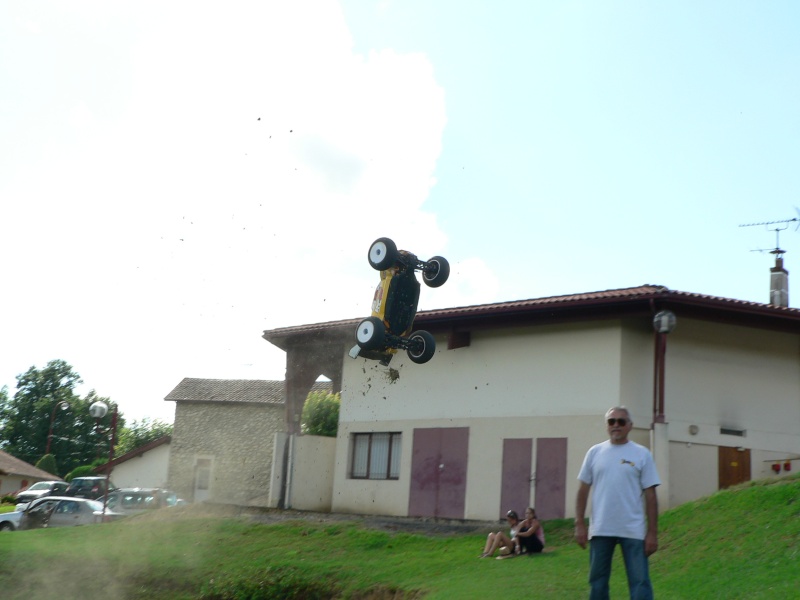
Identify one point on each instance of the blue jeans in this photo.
(601, 551)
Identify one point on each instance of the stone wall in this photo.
(236, 438)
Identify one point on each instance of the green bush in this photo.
(48, 463)
(8, 499)
(321, 414)
(84, 471)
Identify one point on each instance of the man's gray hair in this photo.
(620, 408)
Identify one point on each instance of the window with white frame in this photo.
(375, 456)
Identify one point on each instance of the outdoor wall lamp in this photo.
(664, 321)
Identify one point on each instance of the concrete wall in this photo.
(148, 470)
(312, 460)
(733, 377)
(551, 381)
(237, 438)
(557, 381)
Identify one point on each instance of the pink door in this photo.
(551, 478)
(439, 472)
(515, 490)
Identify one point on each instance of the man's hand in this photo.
(650, 544)
(581, 537)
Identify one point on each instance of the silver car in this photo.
(40, 489)
(9, 521)
(131, 501)
(62, 511)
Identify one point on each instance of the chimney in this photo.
(779, 283)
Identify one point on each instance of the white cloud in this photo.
(235, 186)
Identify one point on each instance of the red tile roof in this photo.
(260, 391)
(643, 299)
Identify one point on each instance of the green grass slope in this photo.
(740, 543)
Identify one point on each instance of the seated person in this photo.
(530, 536)
(500, 539)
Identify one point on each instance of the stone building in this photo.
(223, 440)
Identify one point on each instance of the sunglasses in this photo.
(621, 422)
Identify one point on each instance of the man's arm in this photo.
(581, 536)
(651, 507)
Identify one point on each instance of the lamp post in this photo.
(99, 410)
(664, 323)
(64, 406)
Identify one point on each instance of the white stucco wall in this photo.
(543, 382)
(148, 470)
(557, 381)
(13, 483)
(733, 377)
(312, 461)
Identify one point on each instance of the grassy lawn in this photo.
(742, 543)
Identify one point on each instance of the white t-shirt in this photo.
(618, 474)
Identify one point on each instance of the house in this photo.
(145, 466)
(503, 414)
(16, 475)
(224, 437)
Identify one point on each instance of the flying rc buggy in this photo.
(390, 328)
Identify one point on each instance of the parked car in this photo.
(137, 500)
(91, 488)
(9, 521)
(40, 489)
(63, 511)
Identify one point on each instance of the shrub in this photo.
(84, 471)
(48, 463)
(321, 414)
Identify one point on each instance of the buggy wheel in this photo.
(371, 334)
(382, 254)
(436, 271)
(421, 347)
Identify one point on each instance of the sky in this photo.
(177, 177)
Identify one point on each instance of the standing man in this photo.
(621, 472)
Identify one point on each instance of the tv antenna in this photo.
(777, 227)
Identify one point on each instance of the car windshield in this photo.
(83, 484)
(41, 485)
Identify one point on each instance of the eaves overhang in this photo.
(641, 301)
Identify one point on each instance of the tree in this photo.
(26, 418)
(140, 433)
(48, 463)
(321, 414)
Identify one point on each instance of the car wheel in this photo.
(438, 273)
(382, 254)
(421, 347)
(371, 334)
(6, 527)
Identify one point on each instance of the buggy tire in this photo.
(371, 334)
(382, 254)
(439, 272)
(422, 347)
